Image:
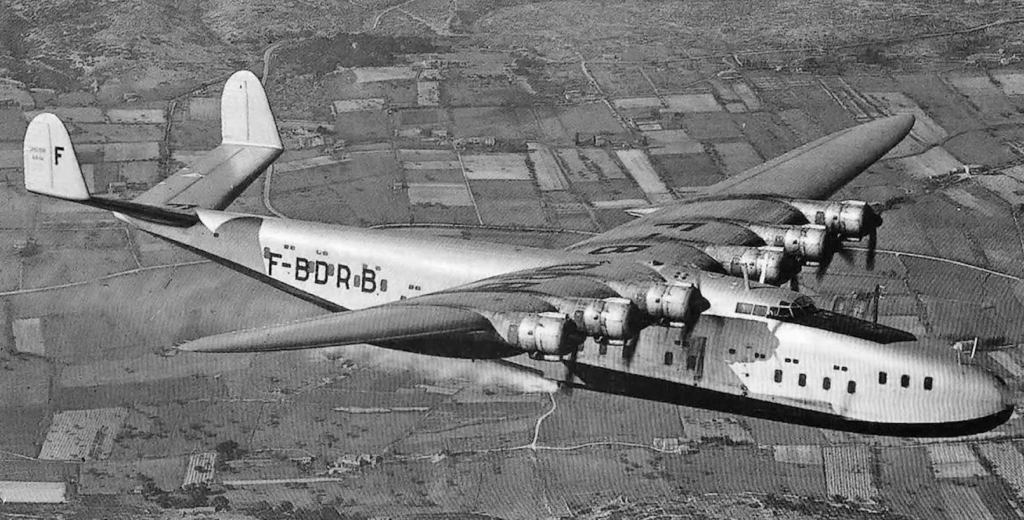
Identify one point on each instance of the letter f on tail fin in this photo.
(51, 167)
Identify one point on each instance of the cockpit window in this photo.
(802, 306)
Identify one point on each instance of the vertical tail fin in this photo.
(245, 113)
(51, 166)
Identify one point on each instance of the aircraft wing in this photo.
(486, 307)
(760, 206)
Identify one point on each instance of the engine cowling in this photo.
(808, 242)
(548, 333)
(848, 218)
(765, 264)
(611, 318)
(675, 302)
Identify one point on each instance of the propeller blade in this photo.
(872, 245)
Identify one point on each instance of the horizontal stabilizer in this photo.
(249, 144)
(374, 325)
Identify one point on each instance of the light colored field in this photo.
(799, 454)
(619, 203)
(1012, 83)
(1007, 188)
(432, 165)
(962, 197)
(989, 99)
(1007, 462)
(689, 103)
(738, 157)
(954, 460)
(497, 166)
(964, 502)
(603, 162)
(925, 128)
(28, 337)
(447, 194)
(428, 93)
(150, 116)
(848, 472)
(641, 102)
(302, 164)
(359, 105)
(1007, 362)
(204, 109)
(936, 161)
(1016, 172)
(200, 468)
(549, 175)
(374, 74)
(662, 142)
(81, 435)
(17, 492)
(747, 95)
(639, 166)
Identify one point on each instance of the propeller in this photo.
(834, 244)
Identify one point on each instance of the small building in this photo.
(18, 492)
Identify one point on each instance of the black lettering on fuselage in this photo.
(322, 272)
(681, 226)
(57, 151)
(369, 282)
(271, 260)
(344, 273)
(301, 269)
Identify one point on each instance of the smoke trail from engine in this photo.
(486, 373)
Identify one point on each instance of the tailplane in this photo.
(249, 144)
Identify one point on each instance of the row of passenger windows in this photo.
(851, 387)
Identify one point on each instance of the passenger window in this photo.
(778, 376)
(602, 349)
(760, 310)
(802, 380)
(905, 381)
(826, 383)
(744, 308)
(882, 378)
(732, 352)
(691, 362)
(851, 387)
(668, 358)
(928, 383)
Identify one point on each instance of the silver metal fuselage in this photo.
(757, 365)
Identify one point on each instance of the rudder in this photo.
(51, 166)
(245, 116)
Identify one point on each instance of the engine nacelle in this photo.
(807, 242)
(848, 219)
(765, 264)
(675, 302)
(546, 333)
(611, 318)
